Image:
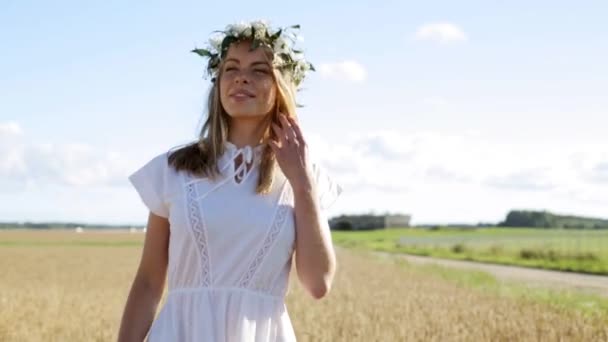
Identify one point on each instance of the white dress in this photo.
(230, 249)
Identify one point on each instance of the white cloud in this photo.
(10, 128)
(592, 166)
(346, 70)
(27, 164)
(600, 172)
(442, 32)
(11, 158)
(526, 180)
(436, 177)
(462, 176)
(435, 102)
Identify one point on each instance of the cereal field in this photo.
(64, 286)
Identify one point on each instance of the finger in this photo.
(280, 134)
(291, 134)
(296, 127)
(273, 145)
(284, 128)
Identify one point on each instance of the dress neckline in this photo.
(232, 147)
(251, 157)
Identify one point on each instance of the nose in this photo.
(241, 77)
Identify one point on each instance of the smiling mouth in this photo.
(242, 96)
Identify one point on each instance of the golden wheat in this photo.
(63, 286)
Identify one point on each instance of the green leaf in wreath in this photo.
(214, 62)
(226, 43)
(255, 43)
(202, 52)
(276, 35)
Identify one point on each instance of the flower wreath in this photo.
(281, 41)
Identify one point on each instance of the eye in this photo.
(261, 71)
(230, 68)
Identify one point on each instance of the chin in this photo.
(246, 111)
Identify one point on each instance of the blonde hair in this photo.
(200, 158)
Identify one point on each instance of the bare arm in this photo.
(149, 282)
(315, 256)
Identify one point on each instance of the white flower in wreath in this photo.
(239, 29)
(260, 24)
(215, 42)
(260, 28)
(282, 60)
(298, 58)
(303, 66)
(282, 46)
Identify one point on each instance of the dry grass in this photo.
(72, 287)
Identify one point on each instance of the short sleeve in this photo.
(328, 188)
(150, 182)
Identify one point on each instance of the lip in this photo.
(240, 93)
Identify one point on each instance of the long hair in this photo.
(200, 158)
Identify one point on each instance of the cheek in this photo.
(223, 90)
(268, 90)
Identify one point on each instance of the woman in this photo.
(228, 211)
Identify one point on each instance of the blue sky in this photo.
(448, 111)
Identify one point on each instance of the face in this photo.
(247, 86)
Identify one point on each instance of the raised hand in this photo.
(291, 152)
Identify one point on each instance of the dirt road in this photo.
(531, 276)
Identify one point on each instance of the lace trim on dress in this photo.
(273, 232)
(198, 228)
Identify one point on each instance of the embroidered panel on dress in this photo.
(277, 223)
(195, 218)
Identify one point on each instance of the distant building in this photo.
(366, 222)
(392, 221)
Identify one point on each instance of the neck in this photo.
(247, 130)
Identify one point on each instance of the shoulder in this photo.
(160, 159)
(154, 182)
(158, 163)
(157, 168)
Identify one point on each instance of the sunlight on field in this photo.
(63, 286)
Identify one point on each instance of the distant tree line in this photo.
(515, 218)
(545, 219)
(57, 225)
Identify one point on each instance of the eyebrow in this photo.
(252, 64)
